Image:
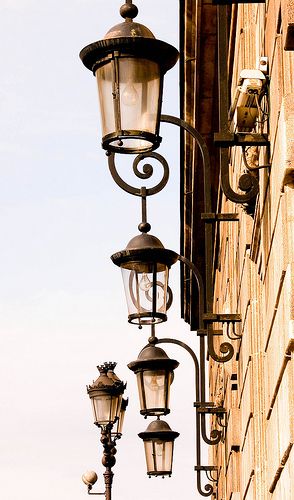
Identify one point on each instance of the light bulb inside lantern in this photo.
(129, 95)
(145, 283)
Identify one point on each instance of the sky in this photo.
(61, 298)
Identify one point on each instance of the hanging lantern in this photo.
(155, 372)
(129, 65)
(106, 396)
(145, 265)
(159, 445)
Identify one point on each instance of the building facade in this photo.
(253, 261)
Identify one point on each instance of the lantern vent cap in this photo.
(129, 29)
(159, 429)
(153, 358)
(144, 248)
(144, 240)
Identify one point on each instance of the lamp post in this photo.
(109, 409)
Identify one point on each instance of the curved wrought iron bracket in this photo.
(226, 348)
(201, 409)
(247, 183)
(147, 172)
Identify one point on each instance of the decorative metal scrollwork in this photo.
(232, 335)
(248, 183)
(146, 173)
(225, 348)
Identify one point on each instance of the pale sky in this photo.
(62, 301)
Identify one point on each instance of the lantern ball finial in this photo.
(128, 11)
(144, 227)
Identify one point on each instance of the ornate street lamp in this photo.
(159, 446)
(106, 396)
(155, 372)
(145, 265)
(129, 65)
(108, 409)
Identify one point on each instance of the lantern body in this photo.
(159, 445)
(155, 372)
(145, 287)
(129, 65)
(159, 457)
(106, 408)
(145, 267)
(129, 90)
(154, 391)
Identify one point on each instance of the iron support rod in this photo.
(207, 200)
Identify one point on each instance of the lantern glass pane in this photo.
(139, 81)
(105, 86)
(146, 292)
(129, 95)
(105, 408)
(120, 422)
(153, 388)
(159, 456)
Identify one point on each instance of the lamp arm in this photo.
(208, 487)
(204, 153)
(94, 493)
(225, 348)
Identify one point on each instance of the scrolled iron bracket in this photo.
(203, 409)
(208, 471)
(147, 172)
(247, 183)
(208, 488)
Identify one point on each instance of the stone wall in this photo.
(254, 277)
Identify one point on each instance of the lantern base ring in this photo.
(155, 412)
(117, 142)
(147, 318)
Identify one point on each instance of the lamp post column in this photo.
(108, 460)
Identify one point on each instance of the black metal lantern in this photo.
(129, 64)
(155, 372)
(159, 445)
(106, 396)
(145, 265)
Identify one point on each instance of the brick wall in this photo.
(255, 278)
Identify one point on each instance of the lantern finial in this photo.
(128, 11)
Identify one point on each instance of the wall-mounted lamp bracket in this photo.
(208, 469)
(209, 408)
(212, 217)
(203, 333)
(221, 318)
(230, 2)
(227, 139)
